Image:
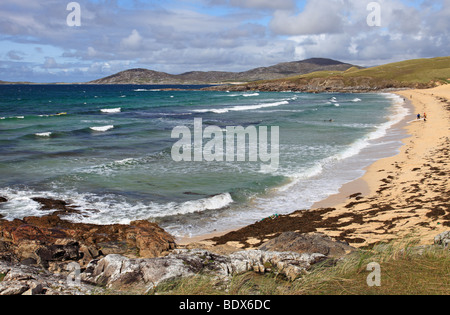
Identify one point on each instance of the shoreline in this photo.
(384, 203)
(361, 185)
(358, 185)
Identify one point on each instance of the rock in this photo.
(35, 289)
(50, 239)
(3, 199)
(26, 280)
(141, 275)
(12, 288)
(29, 233)
(288, 263)
(443, 239)
(307, 243)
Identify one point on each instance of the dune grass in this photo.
(405, 270)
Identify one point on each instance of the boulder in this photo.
(28, 280)
(141, 275)
(13, 287)
(307, 243)
(443, 239)
(3, 199)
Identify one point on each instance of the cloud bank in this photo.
(231, 35)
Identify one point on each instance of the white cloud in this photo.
(133, 41)
(318, 17)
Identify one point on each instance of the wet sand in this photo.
(406, 195)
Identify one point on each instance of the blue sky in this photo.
(177, 36)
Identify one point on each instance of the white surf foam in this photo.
(147, 90)
(102, 129)
(109, 209)
(111, 110)
(241, 108)
(212, 203)
(43, 134)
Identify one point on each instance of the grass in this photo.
(405, 270)
(410, 73)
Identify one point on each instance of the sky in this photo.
(40, 41)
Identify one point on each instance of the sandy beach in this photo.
(406, 195)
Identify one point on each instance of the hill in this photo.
(279, 71)
(418, 73)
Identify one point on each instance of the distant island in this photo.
(279, 71)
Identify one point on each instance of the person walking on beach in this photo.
(418, 116)
(425, 116)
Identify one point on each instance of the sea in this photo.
(108, 149)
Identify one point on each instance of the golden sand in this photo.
(408, 193)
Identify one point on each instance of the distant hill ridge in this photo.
(279, 71)
(416, 73)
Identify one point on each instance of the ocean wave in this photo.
(108, 168)
(241, 108)
(109, 209)
(105, 169)
(102, 129)
(211, 203)
(43, 134)
(250, 94)
(111, 110)
(398, 114)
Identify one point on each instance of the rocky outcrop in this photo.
(308, 243)
(116, 273)
(50, 240)
(141, 275)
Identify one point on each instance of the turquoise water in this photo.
(108, 149)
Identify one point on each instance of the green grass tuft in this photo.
(405, 270)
